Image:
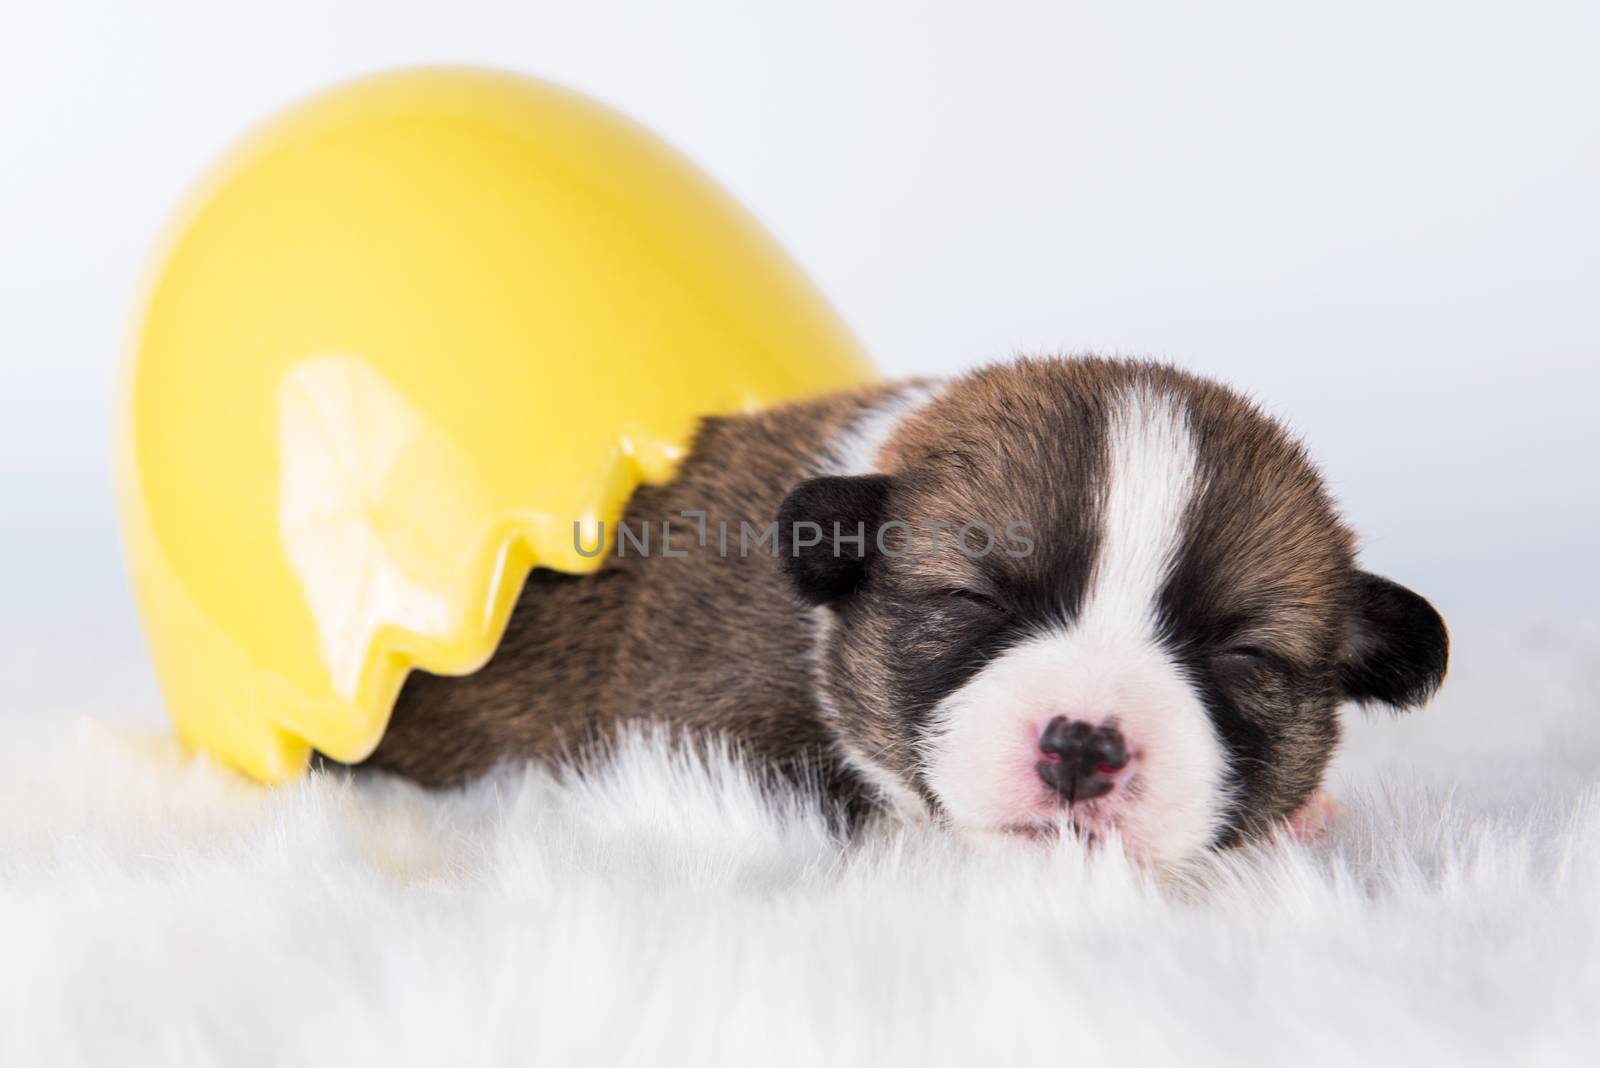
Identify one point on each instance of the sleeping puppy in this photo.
(1084, 593)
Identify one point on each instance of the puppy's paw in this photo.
(1314, 818)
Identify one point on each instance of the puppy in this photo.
(1059, 592)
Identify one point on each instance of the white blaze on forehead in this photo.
(1107, 665)
(1150, 480)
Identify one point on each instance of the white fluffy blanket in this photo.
(156, 910)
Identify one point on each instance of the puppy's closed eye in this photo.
(975, 600)
(1245, 661)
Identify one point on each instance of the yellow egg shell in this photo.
(407, 335)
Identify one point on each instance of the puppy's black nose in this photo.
(1080, 761)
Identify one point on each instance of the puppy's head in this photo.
(1100, 591)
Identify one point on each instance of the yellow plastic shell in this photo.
(406, 335)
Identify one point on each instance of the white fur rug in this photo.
(155, 910)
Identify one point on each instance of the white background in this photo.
(1379, 218)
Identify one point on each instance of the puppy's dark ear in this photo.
(1397, 649)
(827, 533)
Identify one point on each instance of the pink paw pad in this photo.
(1314, 818)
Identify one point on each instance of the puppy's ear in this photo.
(827, 533)
(1397, 649)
